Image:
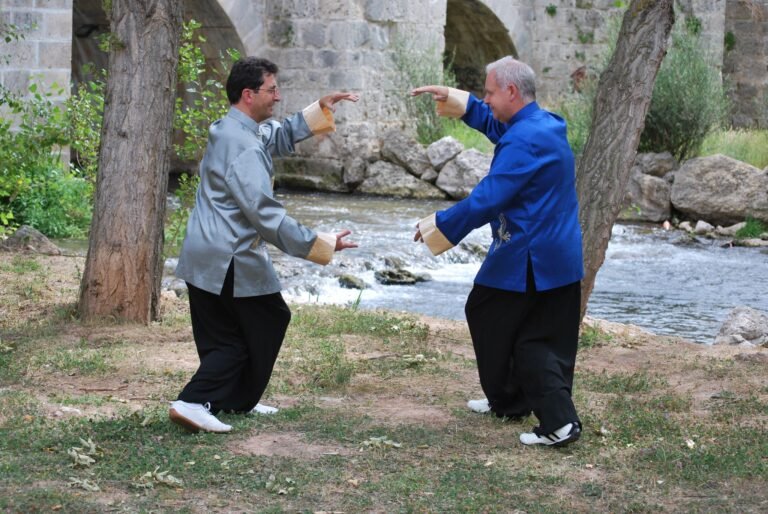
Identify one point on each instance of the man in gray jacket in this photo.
(239, 317)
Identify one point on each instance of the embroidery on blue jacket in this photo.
(502, 233)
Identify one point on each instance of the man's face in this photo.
(499, 100)
(264, 99)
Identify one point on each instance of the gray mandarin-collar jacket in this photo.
(235, 211)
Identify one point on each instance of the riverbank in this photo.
(372, 418)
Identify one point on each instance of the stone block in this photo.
(312, 34)
(58, 25)
(294, 58)
(318, 78)
(294, 9)
(378, 37)
(347, 35)
(30, 24)
(281, 33)
(20, 54)
(341, 9)
(328, 58)
(18, 3)
(346, 79)
(53, 4)
(17, 80)
(393, 10)
(55, 55)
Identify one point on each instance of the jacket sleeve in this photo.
(511, 170)
(280, 138)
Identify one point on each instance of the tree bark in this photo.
(621, 103)
(124, 263)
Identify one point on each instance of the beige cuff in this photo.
(319, 119)
(433, 238)
(456, 104)
(323, 248)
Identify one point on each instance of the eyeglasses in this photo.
(274, 91)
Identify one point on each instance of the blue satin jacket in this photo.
(529, 199)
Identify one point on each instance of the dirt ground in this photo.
(164, 350)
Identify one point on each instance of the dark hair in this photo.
(247, 73)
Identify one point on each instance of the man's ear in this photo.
(513, 91)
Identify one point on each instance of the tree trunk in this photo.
(621, 103)
(124, 263)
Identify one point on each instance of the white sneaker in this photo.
(196, 417)
(264, 409)
(479, 406)
(560, 437)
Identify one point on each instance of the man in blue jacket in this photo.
(523, 311)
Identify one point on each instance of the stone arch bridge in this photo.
(324, 45)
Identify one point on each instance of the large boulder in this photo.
(655, 164)
(354, 172)
(387, 179)
(314, 174)
(461, 175)
(401, 149)
(649, 189)
(744, 325)
(647, 198)
(442, 151)
(28, 239)
(720, 190)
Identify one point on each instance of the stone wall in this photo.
(323, 45)
(44, 54)
(745, 64)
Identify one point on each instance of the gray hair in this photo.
(511, 71)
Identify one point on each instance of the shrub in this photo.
(36, 187)
(85, 109)
(206, 97)
(420, 68)
(688, 98)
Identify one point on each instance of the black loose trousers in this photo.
(237, 340)
(525, 345)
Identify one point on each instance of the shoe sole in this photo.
(189, 424)
(184, 422)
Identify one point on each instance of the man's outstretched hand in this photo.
(439, 93)
(330, 101)
(341, 243)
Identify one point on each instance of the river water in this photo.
(656, 279)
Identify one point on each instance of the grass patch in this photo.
(21, 264)
(753, 229)
(81, 359)
(750, 146)
(620, 383)
(467, 136)
(591, 337)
